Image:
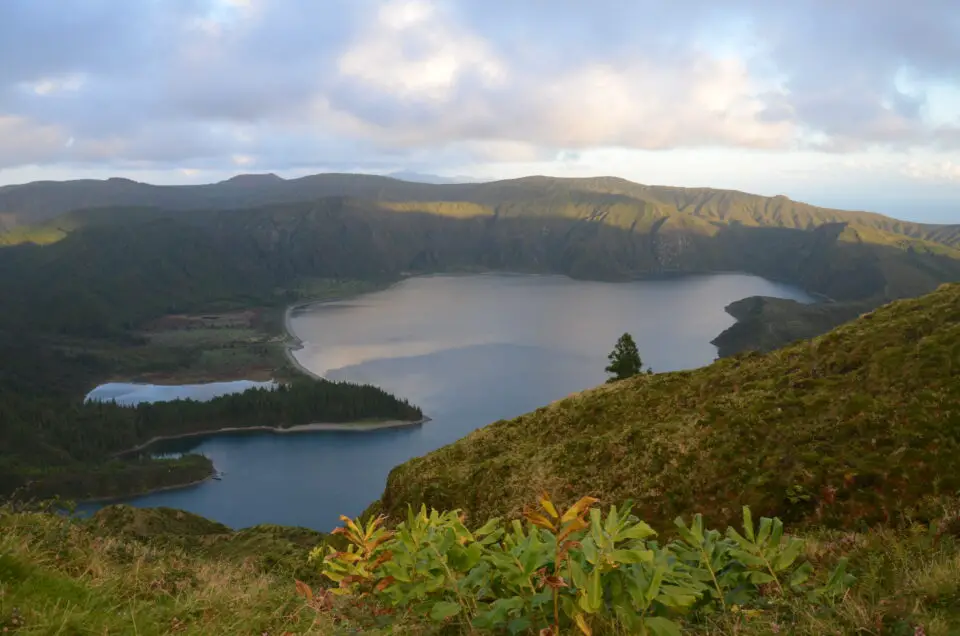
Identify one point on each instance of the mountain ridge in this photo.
(35, 202)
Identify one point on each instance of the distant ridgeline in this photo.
(245, 240)
(84, 264)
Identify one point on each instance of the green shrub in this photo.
(566, 570)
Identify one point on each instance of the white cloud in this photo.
(53, 85)
(413, 51)
(23, 141)
(642, 105)
(744, 93)
(943, 170)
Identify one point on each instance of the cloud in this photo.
(287, 84)
(942, 171)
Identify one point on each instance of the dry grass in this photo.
(58, 577)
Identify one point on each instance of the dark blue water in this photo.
(469, 350)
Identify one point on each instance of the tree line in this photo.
(43, 437)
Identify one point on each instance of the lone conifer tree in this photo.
(624, 359)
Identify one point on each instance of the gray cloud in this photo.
(278, 84)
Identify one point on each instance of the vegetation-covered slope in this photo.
(130, 571)
(126, 266)
(163, 571)
(857, 426)
(765, 324)
(617, 201)
(211, 246)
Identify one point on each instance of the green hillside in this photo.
(162, 571)
(118, 253)
(764, 324)
(160, 262)
(617, 201)
(854, 427)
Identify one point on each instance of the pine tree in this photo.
(624, 359)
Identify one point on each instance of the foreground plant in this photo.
(571, 569)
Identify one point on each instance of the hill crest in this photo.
(37, 202)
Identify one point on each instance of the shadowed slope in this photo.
(859, 425)
(121, 267)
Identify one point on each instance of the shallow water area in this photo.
(131, 394)
(468, 350)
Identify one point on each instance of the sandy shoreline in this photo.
(293, 343)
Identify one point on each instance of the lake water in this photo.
(469, 350)
(128, 394)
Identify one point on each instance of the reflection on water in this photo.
(128, 394)
(469, 350)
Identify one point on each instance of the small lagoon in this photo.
(130, 394)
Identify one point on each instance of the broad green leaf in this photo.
(748, 559)
(766, 525)
(747, 524)
(777, 533)
(462, 559)
(677, 598)
(697, 527)
(594, 591)
(519, 624)
(612, 523)
(759, 578)
(638, 531)
(631, 556)
(589, 550)
(492, 538)
(541, 598)
(685, 533)
(659, 626)
(490, 526)
(788, 555)
(596, 529)
(530, 561)
(577, 574)
(653, 587)
(800, 575)
(442, 610)
(745, 543)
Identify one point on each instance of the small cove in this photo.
(468, 350)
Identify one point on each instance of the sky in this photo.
(843, 103)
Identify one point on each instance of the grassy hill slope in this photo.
(857, 426)
(130, 571)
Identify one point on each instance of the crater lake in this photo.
(467, 349)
